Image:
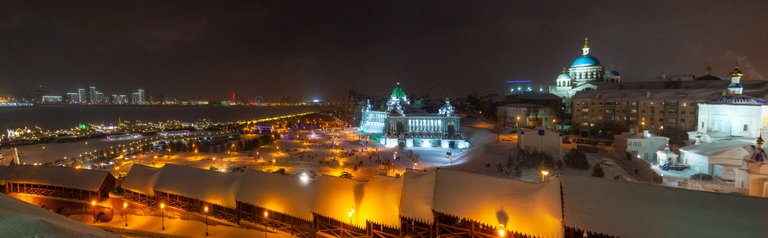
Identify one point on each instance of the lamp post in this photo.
(162, 216)
(206, 220)
(544, 173)
(125, 216)
(266, 215)
(554, 123)
(93, 207)
(350, 213)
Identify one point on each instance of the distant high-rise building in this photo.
(81, 95)
(139, 97)
(93, 95)
(73, 98)
(119, 99)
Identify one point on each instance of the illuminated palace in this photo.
(403, 125)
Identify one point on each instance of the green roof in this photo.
(398, 92)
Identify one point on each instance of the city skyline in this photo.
(205, 51)
(384, 118)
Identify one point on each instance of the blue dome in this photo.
(612, 73)
(585, 60)
(735, 85)
(564, 76)
(739, 99)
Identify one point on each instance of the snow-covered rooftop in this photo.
(336, 197)
(20, 219)
(381, 201)
(529, 208)
(208, 186)
(141, 179)
(630, 209)
(418, 193)
(655, 94)
(717, 147)
(84, 179)
(276, 192)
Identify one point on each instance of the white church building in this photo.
(728, 127)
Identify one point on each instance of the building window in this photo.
(746, 127)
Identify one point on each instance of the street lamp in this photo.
(125, 205)
(266, 215)
(501, 230)
(554, 123)
(349, 214)
(162, 216)
(93, 206)
(544, 173)
(206, 220)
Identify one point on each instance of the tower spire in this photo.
(735, 87)
(585, 50)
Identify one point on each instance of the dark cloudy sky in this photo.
(324, 48)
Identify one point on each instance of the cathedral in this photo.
(584, 72)
(404, 126)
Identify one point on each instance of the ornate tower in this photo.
(735, 87)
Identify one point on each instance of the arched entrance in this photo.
(451, 130)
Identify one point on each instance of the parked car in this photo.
(702, 176)
(346, 175)
(676, 167)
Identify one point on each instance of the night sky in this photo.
(322, 49)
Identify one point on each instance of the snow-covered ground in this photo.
(682, 179)
(150, 226)
(50, 152)
(20, 219)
